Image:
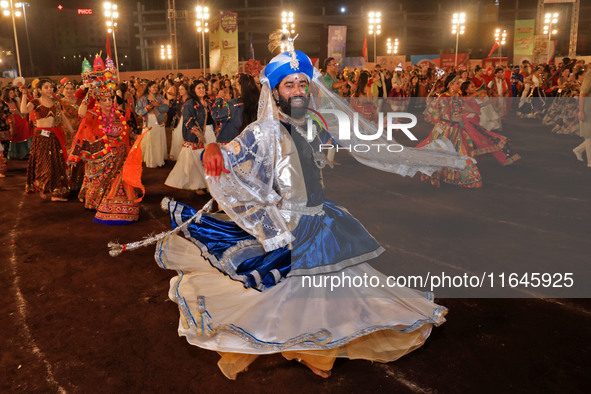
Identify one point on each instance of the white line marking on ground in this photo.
(569, 306)
(399, 376)
(152, 215)
(22, 305)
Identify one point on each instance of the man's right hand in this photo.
(213, 160)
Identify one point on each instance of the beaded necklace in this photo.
(107, 128)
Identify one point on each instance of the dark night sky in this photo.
(312, 37)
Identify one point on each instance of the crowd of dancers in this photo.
(209, 108)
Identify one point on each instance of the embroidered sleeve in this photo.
(140, 108)
(220, 110)
(163, 106)
(190, 118)
(5, 110)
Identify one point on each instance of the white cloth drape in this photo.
(154, 151)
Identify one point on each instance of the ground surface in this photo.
(73, 319)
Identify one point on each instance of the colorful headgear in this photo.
(101, 81)
(288, 63)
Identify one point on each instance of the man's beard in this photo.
(296, 106)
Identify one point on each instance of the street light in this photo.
(23, 5)
(500, 37)
(287, 26)
(375, 28)
(202, 27)
(112, 14)
(550, 20)
(7, 7)
(392, 46)
(457, 28)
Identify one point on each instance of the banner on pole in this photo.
(223, 48)
(337, 43)
(524, 37)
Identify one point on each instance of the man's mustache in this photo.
(301, 99)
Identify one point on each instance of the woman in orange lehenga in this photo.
(46, 172)
(447, 114)
(485, 141)
(102, 142)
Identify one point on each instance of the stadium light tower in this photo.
(202, 27)
(112, 14)
(457, 28)
(375, 28)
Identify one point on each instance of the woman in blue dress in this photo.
(197, 125)
(235, 114)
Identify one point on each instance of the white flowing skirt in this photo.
(177, 141)
(154, 151)
(188, 172)
(219, 314)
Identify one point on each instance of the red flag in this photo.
(108, 45)
(494, 48)
(365, 48)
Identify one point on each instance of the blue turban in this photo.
(284, 64)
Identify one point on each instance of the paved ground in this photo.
(73, 319)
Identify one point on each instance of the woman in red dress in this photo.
(46, 172)
(447, 115)
(20, 143)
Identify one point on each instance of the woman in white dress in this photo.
(152, 107)
(197, 126)
(177, 133)
(532, 102)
